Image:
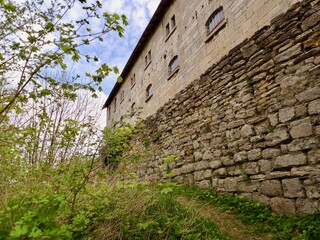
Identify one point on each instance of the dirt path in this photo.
(226, 222)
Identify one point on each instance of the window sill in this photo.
(217, 30)
(169, 35)
(173, 73)
(148, 98)
(147, 65)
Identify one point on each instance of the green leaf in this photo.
(10, 7)
(19, 231)
(119, 79)
(49, 26)
(166, 190)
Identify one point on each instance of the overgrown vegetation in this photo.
(284, 228)
(53, 183)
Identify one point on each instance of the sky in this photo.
(115, 51)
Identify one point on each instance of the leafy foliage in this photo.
(38, 35)
(284, 228)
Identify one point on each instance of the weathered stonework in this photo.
(251, 124)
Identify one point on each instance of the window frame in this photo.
(149, 92)
(148, 59)
(171, 71)
(115, 105)
(171, 28)
(219, 26)
(121, 96)
(133, 80)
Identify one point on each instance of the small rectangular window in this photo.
(173, 22)
(114, 105)
(167, 29)
(122, 96)
(146, 60)
(149, 56)
(133, 80)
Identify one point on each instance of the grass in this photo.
(131, 210)
(260, 218)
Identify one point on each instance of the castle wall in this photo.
(251, 124)
(189, 40)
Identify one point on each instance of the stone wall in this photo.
(251, 124)
(189, 42)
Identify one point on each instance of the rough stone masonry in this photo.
(251, 124)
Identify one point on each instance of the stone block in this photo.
(271, 188)
(301, 171)
(196, 145)
(215, 164)
(266, 66)
(313, 191)
(204, 184)
(310, 21)
(258, 177)
(201, 165)
(227, 161)
(217, 153)
(292, 188)
(236, 123)
(197, 156)
(289, 53)
(303, 144)
(248, 50)
(278, 174)
(300, 110)
(260, 198)
(189, 179)
(307, 206)
(247, 131)
(286, 114)
(240, 157)
(301, 128)
(271, 153)
(248, 186)
(178, 179)
(262, 127)
(201, 175)
(214, 182)
(277, 137)
(283, 205)
(221, 172)
(265, 166)
(254, 154)
(290, 160)
(314, 157)
(207, 156)
(251, 168)
(234, 170)
(187, 168)
(176, 171)
(273, 119)
(309, 94)
(230, 184)
(314, 107)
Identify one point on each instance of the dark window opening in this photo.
(173, 65)
(149, 92)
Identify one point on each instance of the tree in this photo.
(36, 35)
